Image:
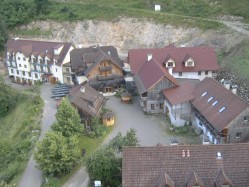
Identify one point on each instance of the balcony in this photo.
(105, 68)
(108, 77)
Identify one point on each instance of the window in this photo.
(200, 123)
(170, 64)
(23, 73)
(68, 79)
(25, 66)
(152, 106)
(222, 109)
(20, 65)
(36, 76)
(29, 74)
(24, 59)
(214, 103)
(68, 70)
(199, 72)
(238, 134)
(108, 119)
(55, 69)
(206, 72)
(190, 63)
(17, 72)
(12, 71)
(204, 94)
(161, 105)
(210, 99)
(18, 58)
(246, 118)
(180, 74)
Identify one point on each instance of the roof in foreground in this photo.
(186, 165)
(218, 104)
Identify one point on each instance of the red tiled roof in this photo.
(180, 94)
(204, 58)
(149, 74)
(29, 47)
(144, 166)
(233, 104)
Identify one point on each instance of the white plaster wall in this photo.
(192, 75)
(58, 74)
(23, 61)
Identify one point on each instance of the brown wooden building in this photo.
(100, 65)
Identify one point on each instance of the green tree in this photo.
(57, 155)
(8, 98)
(105, 166)
(42, 6)
(68, 120)
(130, 139)
(3, 33)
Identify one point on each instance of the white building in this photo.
(29, 61)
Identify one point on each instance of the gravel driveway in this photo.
(151, 129)
(32, 177)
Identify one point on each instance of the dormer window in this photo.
(170, 64)
(189, 63)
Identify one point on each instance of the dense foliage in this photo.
(57, 155)
(19, 129)
(105, 164)
(68, 120)
(8, 98)
(97, 129)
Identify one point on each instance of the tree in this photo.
(42, 6)
(105, 166)
(130, 139)
(57, 155)
(8, 98)
(3, 33)
(68, 120)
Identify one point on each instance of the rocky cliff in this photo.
(129, 33)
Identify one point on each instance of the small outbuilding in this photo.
(126, 97)
(108, 118)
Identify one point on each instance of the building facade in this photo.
(30, 61)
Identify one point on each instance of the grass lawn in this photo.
(113, 10)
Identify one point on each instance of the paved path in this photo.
(32, 177)
(151, 130)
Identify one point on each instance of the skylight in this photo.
(214, 103)
(222, 109)
(204, 94)
(210, 99)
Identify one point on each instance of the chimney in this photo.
(149, 56)
(219, 157)
(234, 89)
(82, 89)
(170, 70)
(183, 153)
(188, 153)
(227, 84)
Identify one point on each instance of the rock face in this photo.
(127, 33)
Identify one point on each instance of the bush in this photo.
(97, 129)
